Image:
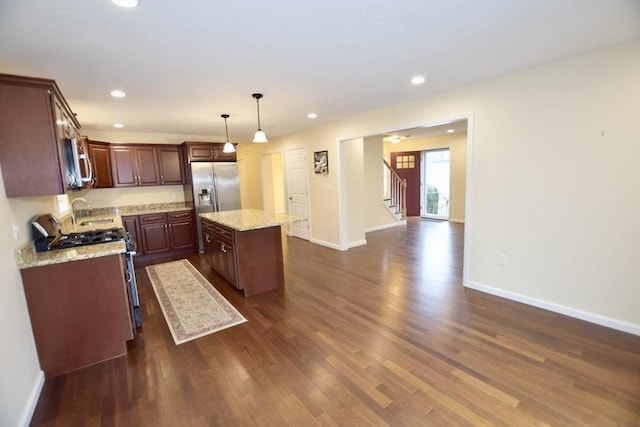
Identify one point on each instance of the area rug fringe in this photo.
(192, 307)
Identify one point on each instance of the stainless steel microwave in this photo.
(78, 169)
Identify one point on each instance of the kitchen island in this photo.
(245, 248)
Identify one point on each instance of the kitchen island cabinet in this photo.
(245, 248)
(80, 312)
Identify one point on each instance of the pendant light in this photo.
(259, 137)
(228, 147)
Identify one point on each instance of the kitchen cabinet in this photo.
(80, 312)
(219, 250)
(154, 233)
(34, 118)
(162, 234)
(250, 260)
(134, 166)
(208, 152)
(171, 170)
(100, 157)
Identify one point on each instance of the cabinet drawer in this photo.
(179, 216)
(208, 226)
(224, 233)
(150, 218)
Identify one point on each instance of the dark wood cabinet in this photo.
(154, 233)
(162, 234)
(100, 157)
(171, 172)
(136, 165)
(208, 152)
(219, 250)
(34, 118)
(249, 260)
(80, 312)
(181, 230)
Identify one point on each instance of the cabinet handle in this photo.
(207, 238)
(162, 179)
(223, 247)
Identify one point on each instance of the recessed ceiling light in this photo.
(125, 3)
(312, 115)
(395, 139)
(118, 94)
(418, 80)
(118, 125)
(450, 131)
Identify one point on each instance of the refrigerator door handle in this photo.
(216, 203)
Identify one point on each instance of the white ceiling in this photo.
(185, 62)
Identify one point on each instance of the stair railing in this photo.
(397, 191)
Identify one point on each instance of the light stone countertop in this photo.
(250, 219)
(27, 257)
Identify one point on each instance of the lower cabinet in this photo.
(162, 234)
(80, 312)
(251, 261)
(219, 251)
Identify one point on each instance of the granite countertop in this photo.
(250, 219)
(95, 219)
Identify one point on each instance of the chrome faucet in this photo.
(73, 208)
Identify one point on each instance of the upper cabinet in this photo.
(34, 121)
(171, 172)
(208, 152)
(136, 165)
(100, 156)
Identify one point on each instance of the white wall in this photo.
(377, 215)
(546, 144)
(352, 176)
(20, 376)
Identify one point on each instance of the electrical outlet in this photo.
(503, 260)
(16, 232)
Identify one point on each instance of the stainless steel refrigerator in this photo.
(216, 187)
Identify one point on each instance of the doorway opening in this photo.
(435, 179)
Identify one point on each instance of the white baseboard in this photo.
(327, 244)
(385, 226)
(458, 220)
(356, 244)
(30, 407)
(557, 308)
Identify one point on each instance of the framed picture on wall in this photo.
(321, 162)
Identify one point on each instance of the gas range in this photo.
(48, 237)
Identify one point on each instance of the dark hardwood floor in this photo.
(383, 334)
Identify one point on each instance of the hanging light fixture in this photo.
(259, 137)
(228, 147)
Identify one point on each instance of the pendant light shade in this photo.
(259, 136)
(228, 147)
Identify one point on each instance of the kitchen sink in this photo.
(97, 221)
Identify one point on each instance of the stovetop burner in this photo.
(72, 240)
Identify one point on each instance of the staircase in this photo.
(396, 198)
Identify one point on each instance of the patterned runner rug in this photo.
(191, 306)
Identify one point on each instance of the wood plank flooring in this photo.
(380, 335)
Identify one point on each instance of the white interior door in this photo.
(298, 191)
